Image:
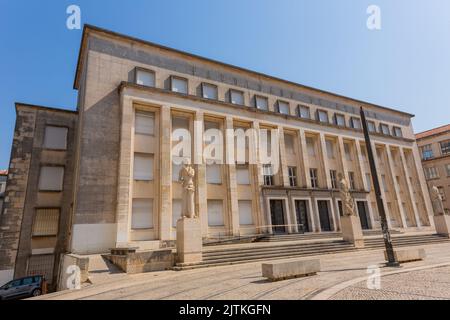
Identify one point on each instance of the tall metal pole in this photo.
(392, 261)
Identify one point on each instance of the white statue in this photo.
(347, 199)
(437, 201)
(186, 177)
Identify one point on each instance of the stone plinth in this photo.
(408, 255)
(351, 231)
(133, 262)
(442, 225)
(189, 240)
(290, 269)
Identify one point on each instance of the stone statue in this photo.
(347, 199)
(186, 177)
(438, 205)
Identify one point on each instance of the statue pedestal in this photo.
(442, 225)
(351, 231)
(189, 240)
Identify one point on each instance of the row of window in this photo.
(433, 172)
(210, 91)
(427, 150)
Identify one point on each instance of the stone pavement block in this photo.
(290, 269)
(408, 255)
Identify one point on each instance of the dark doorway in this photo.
(324, 215)
(301, 210)
(277, 215)
(363, 215)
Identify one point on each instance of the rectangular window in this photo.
(237, 97)
(55, 138)
(41, 264)
(261, 103)
(356, 123)
(347, 151)
(289, 143)
(143, 167)
(242, 175)
(431, 173)
(384, 129)
(145, 77)
(176, 211)
(179, 85)
(447, 168)
(314, 179)
(333, 176)
(46, 223)
(351, 178)
(369, 182)
(209, 91)
(214, 173)
(322, 116)
(215, 213)
(51, 179)
(383, 182)
(304, 112)
(330, 149)
(398, 132)
(339, 119)
(427, 152)
(142, 214)
(283, 107)
(310, 147)
(445, 147)
(292, 172)
(268, 175)
(144, 123)
(245, 212)
(371, 126)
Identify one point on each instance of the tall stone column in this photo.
(165, 190)
(200, 174)
(230, 164)
(283, 162)
(256, 171)
(396, 186)
(304, 157)
(325, 165)
(410, 188)
(342, 157)
(365, 183)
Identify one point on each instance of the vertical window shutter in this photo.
(145, 123)
(142, 214)
(143, 167)
(55, 138)
(51, 178)
(215, 212)
(245, 212)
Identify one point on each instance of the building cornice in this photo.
(43, 108)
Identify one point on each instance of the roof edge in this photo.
(40, 107)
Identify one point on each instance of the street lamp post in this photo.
(392, 261)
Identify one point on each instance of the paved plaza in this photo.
(343, 276)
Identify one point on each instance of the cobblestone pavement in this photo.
(244, 281)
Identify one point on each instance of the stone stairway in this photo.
(234, 254)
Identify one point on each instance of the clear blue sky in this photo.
(320, 43)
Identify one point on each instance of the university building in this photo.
(434, 146)
(103, 176)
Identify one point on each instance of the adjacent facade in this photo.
(3, 177)
(104, 175)
(434, 146)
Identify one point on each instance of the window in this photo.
(310, 146)
(292, 172)
(447, 168)
(347, 151)
(209, 91)
(214, 173)
(333, 176)
(289, 143)
(55, 138)
(322, 116)
(237, 97)
(339, 119)
(398, 132)
(330, 149)
(142, 214)
(283, 107)
(314, 179)
(383, 181)
(356, 123)
(369, 182)
(445, 147)
(145, 77)
(268, 174)
(242, 175)
(427, 152)
(41, 264)
(176, 211)
(46, 223)
(178, 84)
(384, 128)
(304, 112)
(431, 173)
(143, 167)
(261, 103)
(215, 213)
(144, 123)
(351, 178)
(371, 126)
(51, 179)
(245, 212)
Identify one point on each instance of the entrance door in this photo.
(277, 215)
(324, 215)
(363, 215)
(302, 215)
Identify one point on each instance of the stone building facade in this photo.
(120, 185)
(434, 146)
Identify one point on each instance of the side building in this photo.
(3, 178)
(105, 175)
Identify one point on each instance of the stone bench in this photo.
(408, 255)
(276, 271)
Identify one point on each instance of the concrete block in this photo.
(442, 225)
(408, 255)
(290, 269)
(189, 240)
(351, 231)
